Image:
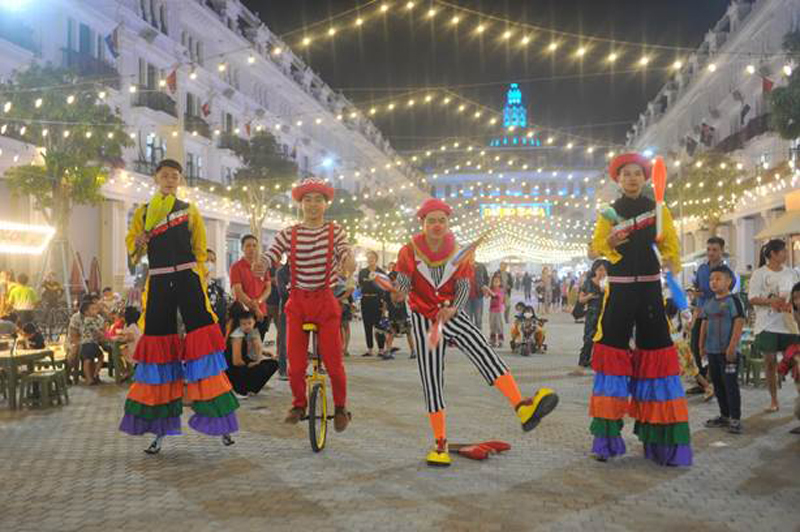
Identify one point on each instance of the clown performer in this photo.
(172, 234)
(643, 382)
(437, 288)
(316, 250)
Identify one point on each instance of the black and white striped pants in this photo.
(468, 338)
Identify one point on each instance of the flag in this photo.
(206, 109)
(112, 41)
(766, 85)
(172, 81)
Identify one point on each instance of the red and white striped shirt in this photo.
(312, 254)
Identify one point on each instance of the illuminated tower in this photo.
(515, 120)
(514, 113)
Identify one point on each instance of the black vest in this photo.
(170, 240)
(638, 256)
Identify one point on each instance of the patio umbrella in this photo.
(94, 276)
(76, 278)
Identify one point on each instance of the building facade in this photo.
(718, 100)
(190, 79)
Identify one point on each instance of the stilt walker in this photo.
(435, 277)
(644, 382)
(173, 235)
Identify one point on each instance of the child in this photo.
(719, 341)
(117, 322)
(644, 381)
(399, 322)
(92, 324)
(173, 235)
(316, 250)
(791, 358)
(688, 365)
(248, 368)
(32, 336)
(344, 293)
(497, 295)
(519, 310)
(130, 334)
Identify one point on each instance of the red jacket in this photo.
(425, 297)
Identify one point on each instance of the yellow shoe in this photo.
(532, 409)
(439, 457)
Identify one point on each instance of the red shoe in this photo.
(496, 446)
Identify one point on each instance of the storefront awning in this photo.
(787, 224)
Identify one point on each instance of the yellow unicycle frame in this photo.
(317, 397)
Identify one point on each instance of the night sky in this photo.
(393, 53)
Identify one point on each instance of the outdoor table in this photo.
(20, 357)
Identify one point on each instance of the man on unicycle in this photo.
(316, 249)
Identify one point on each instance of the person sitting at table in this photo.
(31, 337)
(129, 334)
(91, 338)
(9, 325)
(115, 325)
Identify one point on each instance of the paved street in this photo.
(70, 469)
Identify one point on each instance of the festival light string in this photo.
(520, 34)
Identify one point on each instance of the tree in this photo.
(785, 101)
(265, 171)
(709, 187)
(79, 136)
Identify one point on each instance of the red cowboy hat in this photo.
(629, 158)
(433, 204)
(312, 185)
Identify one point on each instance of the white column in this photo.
(700, 238)
(113, 254)
(216, 231)
(746, 249)
(726, 231)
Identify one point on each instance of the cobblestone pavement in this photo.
(70, 469)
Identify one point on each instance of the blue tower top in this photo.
(514, 113)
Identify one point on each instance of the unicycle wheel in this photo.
(317, 417)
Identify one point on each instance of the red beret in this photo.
(312, 185)
(433, 204)
(629, 158)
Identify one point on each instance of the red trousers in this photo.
(323, 309)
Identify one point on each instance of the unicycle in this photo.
(317, 397)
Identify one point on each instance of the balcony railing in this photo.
(192, 123)
(755, 127)
(89, 66)
(229, 141)
(155, 100)
(144, 167)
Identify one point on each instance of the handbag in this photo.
(579, 310)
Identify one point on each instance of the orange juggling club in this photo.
(659, 187)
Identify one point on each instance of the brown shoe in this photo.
(295, 415)
(341, 418)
